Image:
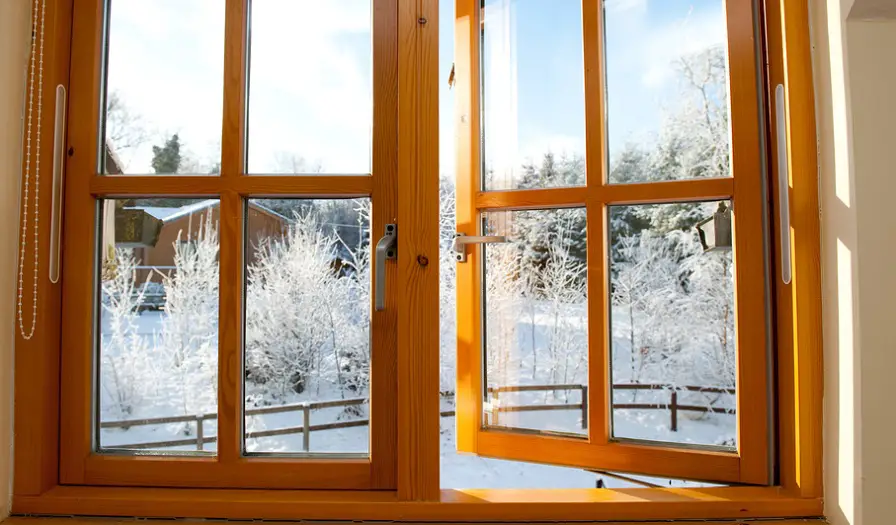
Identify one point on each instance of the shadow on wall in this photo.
(13, 60)
(855, 81)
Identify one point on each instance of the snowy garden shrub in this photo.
(187, 345)
(126, 362)
(307, 324)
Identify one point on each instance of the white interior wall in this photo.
(856, 105)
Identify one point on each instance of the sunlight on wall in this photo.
(13, 45)
(855, 82)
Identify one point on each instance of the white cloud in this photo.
(311, 84)
(693, 31)
(166, 62)
(625, 6)
(310, 89)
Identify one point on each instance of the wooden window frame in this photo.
(750, 463)
(797, 493)
(85, 185)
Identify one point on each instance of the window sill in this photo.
(454, 505)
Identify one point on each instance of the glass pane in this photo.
(667, 90)
(672, 321)
(164, 87)
(158, 321)
(307, 327)
(536, 321)
(311, 88)
(533, 94)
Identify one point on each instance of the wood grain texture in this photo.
(469, 274)
(596, 169)
(236, 55)
(230, 233)
(750, 261)
(20, 520)
(530, 199)
(79, 242)
(799, 337)
(36, 395)
(48, 520)
(384, 324)
(280, 186)
(450, 505)
(662, 460)
(228, 469)
(598, 451)
(418, 241)
(211, 473)
(230, 329)
(38, 416)
(664, 192)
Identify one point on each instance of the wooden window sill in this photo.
(454, 505)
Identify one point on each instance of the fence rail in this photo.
(306, 429)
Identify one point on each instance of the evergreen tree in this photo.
(166, 159)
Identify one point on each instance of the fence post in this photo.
(306, 427)
(200, 432)
(673, 408)
(584, 407)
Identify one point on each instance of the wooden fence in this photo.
(306, 408)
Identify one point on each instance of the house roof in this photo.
(172, 214)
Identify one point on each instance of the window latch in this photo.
(386, 249)
(461, 241)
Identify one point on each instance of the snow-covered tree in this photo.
(308, 312)
(126, 363)
(563, 290)
(188, 339)
(447, 287)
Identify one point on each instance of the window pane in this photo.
(533, 94)
(672, 322)
(308, 326)
(667, 90)
(158, 320)
(310, 87)
(536, 321)
(164, 87)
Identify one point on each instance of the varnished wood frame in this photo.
(751, 463)
(798, 494)
(230, 468)
(800, 371)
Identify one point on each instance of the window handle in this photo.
(386, 249)
(58, 172)
(461, 241)
(783, 184)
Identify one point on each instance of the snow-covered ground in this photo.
(457, 470)
(309, 344)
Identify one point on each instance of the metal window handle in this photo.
(461, 241)
(58, 184)
(386, 249)
(783, 184)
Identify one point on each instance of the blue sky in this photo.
(311, 97)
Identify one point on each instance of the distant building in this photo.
(183, 225)
(153, 231)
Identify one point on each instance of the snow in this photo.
(170, 214)
(457, 470)
(307, 323)
(155, 211)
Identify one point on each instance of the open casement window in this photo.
(220, 270)
(597, 297)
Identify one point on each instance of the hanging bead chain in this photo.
(37, 55)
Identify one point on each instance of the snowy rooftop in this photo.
(170, 214)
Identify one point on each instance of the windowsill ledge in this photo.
(454, 505)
